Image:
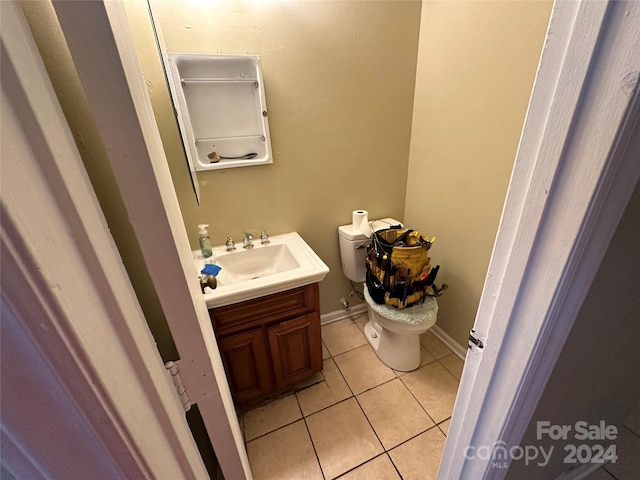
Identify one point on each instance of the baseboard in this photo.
(581, 472)
(444, 337)
(361, 308)
(342, 314)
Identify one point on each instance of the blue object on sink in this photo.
(211, 269)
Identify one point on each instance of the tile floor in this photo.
(627, 466)
(358, 419)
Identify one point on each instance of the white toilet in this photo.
(394, 334)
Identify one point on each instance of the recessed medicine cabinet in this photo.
(221, 109)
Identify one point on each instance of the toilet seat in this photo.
(412, 319)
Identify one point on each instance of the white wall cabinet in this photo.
(221, 109)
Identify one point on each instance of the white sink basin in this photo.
(284, 263)
(255, 263)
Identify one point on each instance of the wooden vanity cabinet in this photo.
(271, 342)
(243, 356)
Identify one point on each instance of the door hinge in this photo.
(174, 371)
(475, 344)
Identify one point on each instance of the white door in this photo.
(101, 47)
(84, 391)
(576, 167)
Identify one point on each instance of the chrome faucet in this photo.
(247, 242)
(264, 238)
(231, 245)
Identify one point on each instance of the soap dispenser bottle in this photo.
(205, 241)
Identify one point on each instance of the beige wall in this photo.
(339, 79)
(57, 59)
(476, 66)
(340, 84)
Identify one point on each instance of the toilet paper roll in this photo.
(360, 221)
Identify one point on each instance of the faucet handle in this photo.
(247, 242)
(231, 245)
(264, 238)
(207, 280)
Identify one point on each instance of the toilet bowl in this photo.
(393, 333)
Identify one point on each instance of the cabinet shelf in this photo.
(220, 99)
(221, 80)
(214, 139)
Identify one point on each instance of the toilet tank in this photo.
(353, 248)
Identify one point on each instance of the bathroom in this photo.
(417, 123)
(43, 28)
(62, 75)
(363, 120)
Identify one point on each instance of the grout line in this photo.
(329, 406)
(416, 435)
(342, 375)
(353, 395)
(449, 371)
(304, 418)
(302, 389)
(351, 349)
(370, 425)
(403, 442)
(379, 385)
(313, 445)
(416, 399)
(635, 434)
(375, 386)
(440, 428)
(294, 391)
(361, 464)
(347, 351)
(604, 467)
(274, 430)
(394, 465)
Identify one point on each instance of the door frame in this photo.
(575, 169)
(84, 390)
(102, 49)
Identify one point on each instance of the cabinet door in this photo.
(296, 349)
(246, 362)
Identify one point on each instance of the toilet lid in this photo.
(413, 315)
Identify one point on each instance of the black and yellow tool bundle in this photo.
(398, 268)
